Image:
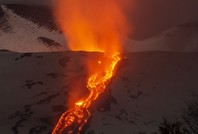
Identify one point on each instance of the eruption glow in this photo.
(90, 25)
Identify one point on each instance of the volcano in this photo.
(39, 75)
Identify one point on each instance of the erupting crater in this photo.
(96, 26)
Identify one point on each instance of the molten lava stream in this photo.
(78, 116)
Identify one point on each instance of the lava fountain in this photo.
(90, 25)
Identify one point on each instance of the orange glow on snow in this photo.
(96, 26)
(80, 113)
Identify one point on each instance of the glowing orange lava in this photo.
(90, 25)
(79, 115)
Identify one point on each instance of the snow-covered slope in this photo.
(24, 35)
(27, 29)
(183, 38)
(35, 87)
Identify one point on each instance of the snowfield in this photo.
(148, 86)
(27, 33)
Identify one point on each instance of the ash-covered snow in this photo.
(32, 29)
(35, 88)
(25, 35)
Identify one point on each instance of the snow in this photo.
(147, 87)
(178, 39)
(155, 80)
(24, 35)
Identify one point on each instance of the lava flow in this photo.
(90, 25)
(79, 115)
